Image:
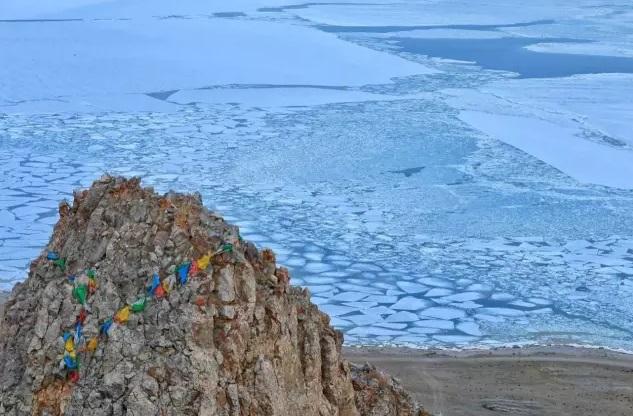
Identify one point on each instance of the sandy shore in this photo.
(539, 381)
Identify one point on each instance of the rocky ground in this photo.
(144, 304)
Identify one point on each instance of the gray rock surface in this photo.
(3, 299)
(237, 339)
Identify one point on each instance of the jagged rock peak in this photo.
(143, 304)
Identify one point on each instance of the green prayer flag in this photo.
(90, 273)
(80, 292)
(61, 263)
(227, 248)
(139, 305)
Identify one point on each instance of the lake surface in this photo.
(393, 29)
(510, 54)
(408, 225)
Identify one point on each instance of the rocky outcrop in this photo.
(230, 336)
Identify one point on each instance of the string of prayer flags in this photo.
(52, 255)
(85, 284)
(123, 315)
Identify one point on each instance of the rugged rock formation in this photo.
(236, 339)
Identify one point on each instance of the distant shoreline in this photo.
(534, 380)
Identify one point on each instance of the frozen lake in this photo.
(424, 201)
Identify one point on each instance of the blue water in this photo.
(393, 29)
(305, 6)
(510, 54)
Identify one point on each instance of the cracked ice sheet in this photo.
(578, 125)
(322, 218)
(271, 97)
(59, 61)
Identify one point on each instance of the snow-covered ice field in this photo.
(426, 193)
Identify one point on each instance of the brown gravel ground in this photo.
(532, 381)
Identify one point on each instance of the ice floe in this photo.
(442, 313)
(410, 303)
(402, 316)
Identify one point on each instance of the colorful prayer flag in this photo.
(123, 315)
(73, 376)
(183, 272)
(69, 345)
(61, 263)
(154, 285)
(92, 344)
(203, 262)
(105, 327)
(71, 363)
(139, 305)
(80, 292)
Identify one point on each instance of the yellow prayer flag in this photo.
(92, 344)
(70, 345)
(122, 315)
(203, 262)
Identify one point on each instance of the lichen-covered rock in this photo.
(236, 339)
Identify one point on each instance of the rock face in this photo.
(235, 339)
